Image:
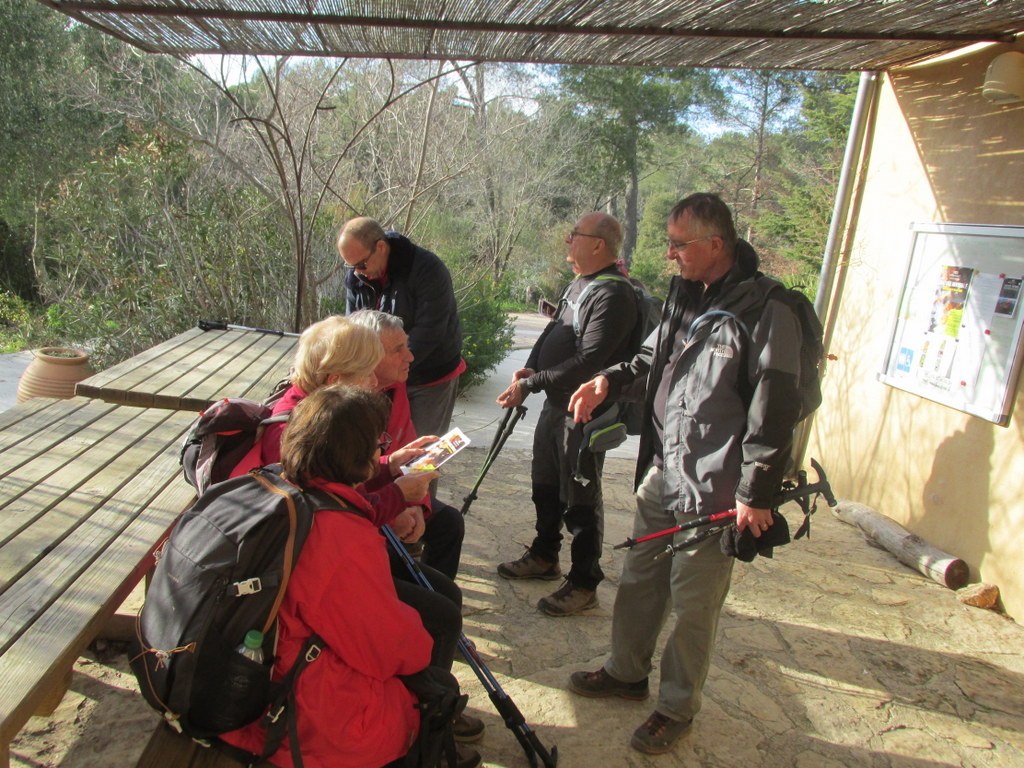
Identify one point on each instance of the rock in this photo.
(979, 595)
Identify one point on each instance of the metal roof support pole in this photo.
(863, 109)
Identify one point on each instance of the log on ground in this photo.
(909, 548)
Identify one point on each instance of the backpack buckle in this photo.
(248, 587)
(313, 653)
(274, 714)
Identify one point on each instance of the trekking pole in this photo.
(500, 437)
(707, 533)
(502, 702)
(801, 491)
(729, 514)
(219, 325)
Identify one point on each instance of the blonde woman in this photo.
(338, 351)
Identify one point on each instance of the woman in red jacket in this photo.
(352, 709)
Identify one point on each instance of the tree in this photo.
(812, 159)
(622, 110)
(757, 103)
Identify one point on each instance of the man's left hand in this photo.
(757, 520)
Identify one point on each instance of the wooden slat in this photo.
(138, 378)
(195, 369)
(80, 521)
(40, 507)
(33, 422)
(169, 749)
(116, 376)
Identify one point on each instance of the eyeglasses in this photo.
(574, 234)
(361, 265)
(675, 246)
(385, 441)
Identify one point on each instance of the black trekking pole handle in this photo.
(509, 712)
(220, 325)
(500, 438)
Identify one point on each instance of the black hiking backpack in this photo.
(648, 317)
(224, 571)
(225, 436)
(812, 346)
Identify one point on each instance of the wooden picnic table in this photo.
(87, 490)
(196, 368)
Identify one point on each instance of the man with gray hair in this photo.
(719, 382)
(593, 327)
(440, 527)
(388, 272)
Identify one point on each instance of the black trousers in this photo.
(442, 540)
(440, 610)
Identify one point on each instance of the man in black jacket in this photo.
(388, 272)
(593, 328)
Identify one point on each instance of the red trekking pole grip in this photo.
(697, 523)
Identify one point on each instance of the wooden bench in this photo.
(89, 487)
(196, 368)
(87, 490)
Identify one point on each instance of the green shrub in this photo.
(14, 320)
(486, 331)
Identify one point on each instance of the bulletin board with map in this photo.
(956, 339)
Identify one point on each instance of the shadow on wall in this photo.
(956, 494)
(966, 143)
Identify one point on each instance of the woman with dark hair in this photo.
(353, 711)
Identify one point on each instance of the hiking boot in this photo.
(658, 734)
(465, 757)
(529, 566)
(599, 685)
(567, 600)
(467, 729)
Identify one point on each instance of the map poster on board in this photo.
(957, 334)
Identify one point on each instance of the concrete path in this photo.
(830, 655)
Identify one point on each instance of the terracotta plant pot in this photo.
(53, 373)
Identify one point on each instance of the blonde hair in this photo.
(335, 345)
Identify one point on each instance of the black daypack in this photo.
(439, 701)
(648, 318)
(812, 346)
(224, 571)
(225, 436)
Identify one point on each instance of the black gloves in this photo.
(744, 546)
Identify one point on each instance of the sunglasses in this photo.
(384, 442)
(361, 265)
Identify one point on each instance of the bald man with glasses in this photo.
(387, 272)
(566, 484)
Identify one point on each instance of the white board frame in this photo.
(957, 333)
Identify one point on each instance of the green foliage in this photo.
(650, 266)
(134, 249)
(486, 332)
(139, 198)
(14, 319)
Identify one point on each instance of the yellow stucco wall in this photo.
(939, 153)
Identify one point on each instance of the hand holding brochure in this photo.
(438, 452)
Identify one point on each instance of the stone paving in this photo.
(831, 654)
